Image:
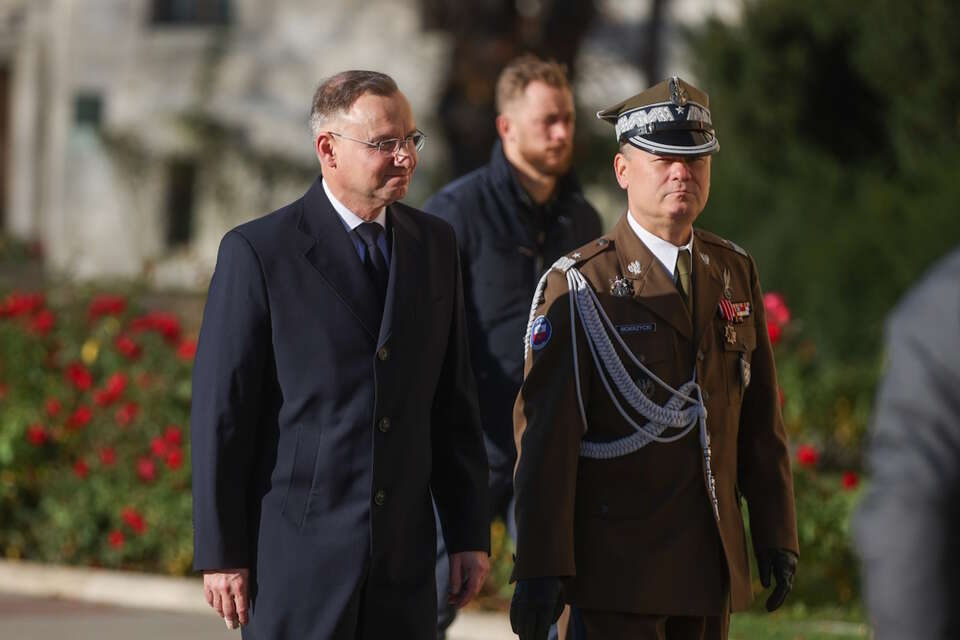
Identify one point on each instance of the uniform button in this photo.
(700, 355)
(706, 396)
(643, 358)
(383, 354)
(384, 425)
(380, 497)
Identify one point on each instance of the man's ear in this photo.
(325, 150)
(504, 126)
(620, 170)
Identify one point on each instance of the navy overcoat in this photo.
(319, 429)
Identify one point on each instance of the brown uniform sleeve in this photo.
(764, 458)
(548, 428)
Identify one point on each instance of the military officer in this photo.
(649, 408)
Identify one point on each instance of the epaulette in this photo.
(592, 248)
(714, 239)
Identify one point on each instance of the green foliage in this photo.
(94, 403)
(839, 136)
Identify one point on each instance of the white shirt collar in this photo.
(665, 252)
(351, 219)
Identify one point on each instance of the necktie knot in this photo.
(369, 232)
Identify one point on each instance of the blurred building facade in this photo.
(134, 133)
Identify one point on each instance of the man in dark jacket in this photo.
(513, 218)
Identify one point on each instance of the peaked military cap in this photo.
(671, 118)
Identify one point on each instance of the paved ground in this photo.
(32, 618)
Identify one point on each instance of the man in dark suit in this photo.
(332, 394)
(909, 522)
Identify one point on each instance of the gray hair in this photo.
(336, 94)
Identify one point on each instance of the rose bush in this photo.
(94, 446)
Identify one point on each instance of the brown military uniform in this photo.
(637, 534)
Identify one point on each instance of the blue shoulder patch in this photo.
(540, 333)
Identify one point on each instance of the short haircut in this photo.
(336, 94)
(520, 72)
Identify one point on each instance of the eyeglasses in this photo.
(391, 146)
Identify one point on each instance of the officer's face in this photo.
(663, 192)
(365, 176)
(539, 126)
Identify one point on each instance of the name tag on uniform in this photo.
(639, 327)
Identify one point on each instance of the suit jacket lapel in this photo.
(404, 271)
(331, 251)
(652, 287)
(707, 286)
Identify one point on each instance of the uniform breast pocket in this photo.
(739, 342)
(655, 352)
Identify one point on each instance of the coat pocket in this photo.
(301, 477)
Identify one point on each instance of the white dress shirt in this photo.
(664, 251)
(351, 221)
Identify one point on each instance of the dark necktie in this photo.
(373, 261)
(683, 276)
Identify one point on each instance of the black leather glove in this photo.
(783, 564)
(536, 604)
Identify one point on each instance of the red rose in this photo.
(108, 456)
(173, 435)
(126, 414)
(112, 391)
(774, 331)
(146, 469)
(116, 539)
(174, 459)
(807, 455)
(187, 350)
(166, 324)
(776, 307)
(79, 376)
(81, 469)
(159, 447)
(850, 480)
(42, 323)
(127, 347)
(37, 435)
(106, 305)
(22, 304)
(80, 417)
(53, 407)
(133, 520)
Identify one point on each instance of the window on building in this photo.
(88, 109)
(190, 12)
(181, 179)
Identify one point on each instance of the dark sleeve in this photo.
(232, 352)
(908, 525)
(763, 460)
(592, 224)
(445, 206)
(548, 429)
(459, 476)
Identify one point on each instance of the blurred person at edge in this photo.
(513, 216)
(332, 394)
(909, 521)
(649, 409)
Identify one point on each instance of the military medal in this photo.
(727, 289)
(730, 333)
(744, 370)
(620, 287)
(735, 312)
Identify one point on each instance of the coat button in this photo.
(383, 354)
(380, 497)
(384, 425)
